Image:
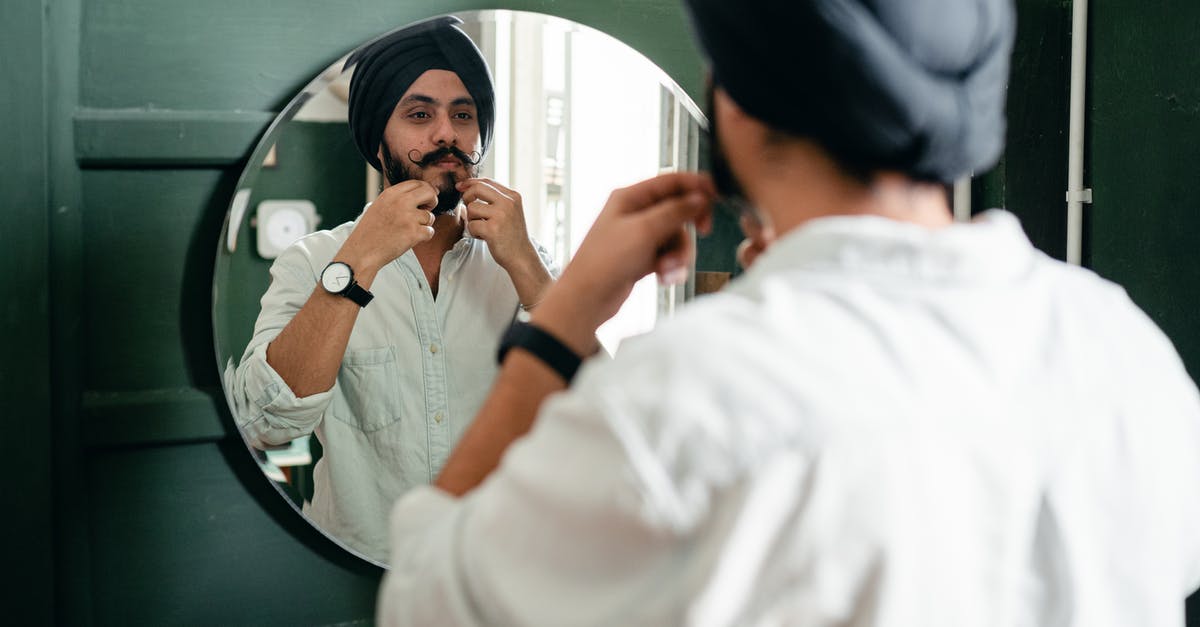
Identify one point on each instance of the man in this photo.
(379, 336)
(889, 419)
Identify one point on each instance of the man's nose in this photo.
(443, 132)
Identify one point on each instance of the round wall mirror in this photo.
(577, 115)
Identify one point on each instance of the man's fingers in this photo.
(704, 223)
(677, 251)
(403, 187)
(675, 258)
(480, 210)
(477, 189)
(463, 186)
(411, 186)
(651, 191)
(486, 195)
(665, 218)
(427, 198)
(480, 229)
(421, 194)
(664, 224)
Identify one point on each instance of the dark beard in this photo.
(396, 171)
(732, 197)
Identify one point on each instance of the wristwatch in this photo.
(337, 278)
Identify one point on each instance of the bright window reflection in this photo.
(603, 117)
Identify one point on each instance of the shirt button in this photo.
(433, 348)
(438, 417)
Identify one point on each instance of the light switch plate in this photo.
(279, 223)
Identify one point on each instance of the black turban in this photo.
(386, 67)
(916, 86)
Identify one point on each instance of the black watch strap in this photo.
(356, 293)
(542, 345)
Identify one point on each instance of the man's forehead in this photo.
(438, 87)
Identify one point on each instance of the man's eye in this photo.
(420, 115)
(463, 115)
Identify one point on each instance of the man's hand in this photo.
(399, 219)
(496, 216)
(642, 229)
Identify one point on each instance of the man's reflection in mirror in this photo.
(379, 336)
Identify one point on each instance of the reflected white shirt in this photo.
(413, 376)
(877, 425)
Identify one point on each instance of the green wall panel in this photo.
(72, 589)
(1031, 178)
(150, 240)
(1144, 149)
(179, 540)
(254, 55)
(1035, 159)
(26, 452)
(127, 138)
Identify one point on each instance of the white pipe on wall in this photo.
(962, 199)
(1076, 194)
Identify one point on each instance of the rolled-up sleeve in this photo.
(264, 407)
(547, 260)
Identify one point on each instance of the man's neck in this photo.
(805, 186)
(447, 230)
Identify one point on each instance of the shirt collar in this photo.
(990, 247)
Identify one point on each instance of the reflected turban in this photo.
(916, 86)
(385, 68)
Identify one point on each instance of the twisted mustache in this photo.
(438, 154)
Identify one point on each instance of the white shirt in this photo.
(878, 424)
(413, 377)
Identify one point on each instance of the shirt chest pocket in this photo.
(368, 395)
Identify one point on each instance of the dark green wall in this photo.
(1144, 135)
(26, 449)
(127, 123)
(1031, 179)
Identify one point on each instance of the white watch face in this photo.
(336, 277)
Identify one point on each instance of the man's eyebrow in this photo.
(411, 98)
